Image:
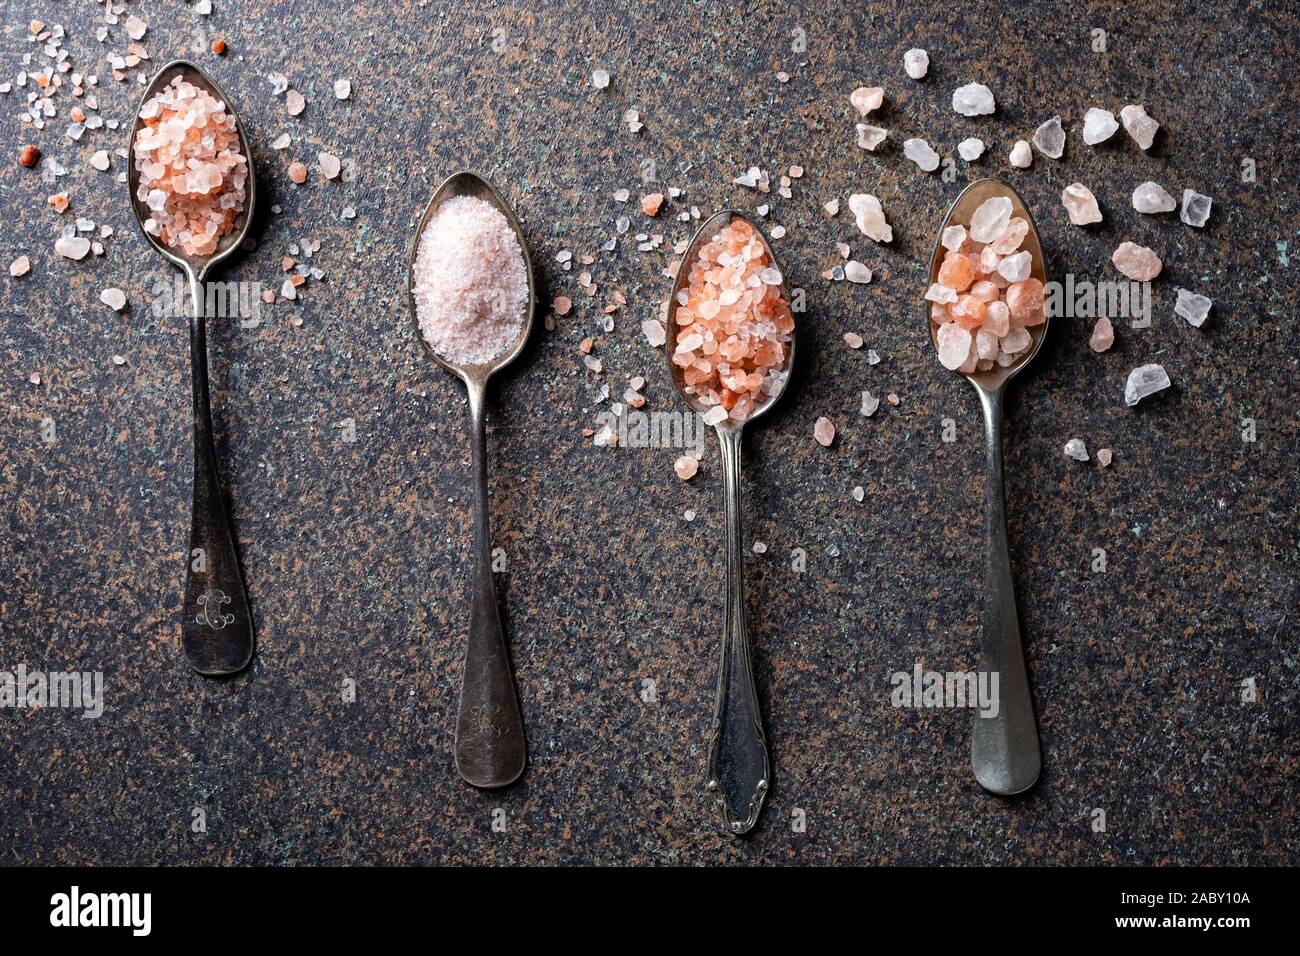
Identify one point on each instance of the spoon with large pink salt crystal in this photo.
(217, 628)
(739, 770)
(490, 747)
(1005, 753)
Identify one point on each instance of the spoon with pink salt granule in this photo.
(472, 298)
(730, 348)
(203, 195)
(1005, 753)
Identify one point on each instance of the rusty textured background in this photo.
(354, 552)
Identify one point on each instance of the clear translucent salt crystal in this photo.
(1098, 126)
(1076, 449)
(869, 137)
(990, 219)
(973, 99)
(1143, 381)
(1196, 208)
(1021, 155)
(600, 79)
(1050, 138)
(940, 293)
(1081, 204)
(1151, 198)
(870, 217)
(1016, 268)
(919, 152)
(1193, 307)
(867, 98)
(1141, 127)
(953, 237)
(855, 271)
(954, 344)
(970, 149)
(916, 63)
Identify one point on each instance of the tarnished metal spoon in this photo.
(490, 748)
(1005, 752)
(217, 628)
(739, 770)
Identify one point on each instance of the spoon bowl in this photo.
(739, 768)
(490, 747)
(1005, 754)
(217, 627)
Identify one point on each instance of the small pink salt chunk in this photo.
(1025, 300)
(1102, 338)
(997, 318)
(1104, 457)
(653, 330)
(294, 102)
(562, 304)
(985, 291)
(867, 98)
(329, 165)
(686, 467)
(824, 431)
(298, 173)
(954, 345)
(1010, 240)
(1016, 341)
(651, 203)
(1080, 204)
(1137, 262)
(20, 266)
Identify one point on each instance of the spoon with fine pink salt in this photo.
(472, 298)
(987, 319)
(192, 189)
(730, 348)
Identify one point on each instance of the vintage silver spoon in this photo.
(1005, 753)
(490, 748)
(217, 629)
(739, 771)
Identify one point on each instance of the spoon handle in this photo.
(1004, 748)
(217, 630)
(739, 773)
(490, 750)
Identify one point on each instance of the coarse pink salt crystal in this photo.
(1103, 335)
(954, 344)
(192, 169)
(1104, 456)
(1137, 262)
(824, 431)
(686, 467)
(471, 282)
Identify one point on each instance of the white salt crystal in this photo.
(714, 415)
(970, 149)
(855, 271)
(869, 404)
(1080, 204)
(919, 152)
(940, 293)
(867, 98)
(1021, 155)
(1098, 126)
(600, 79)
(1141, 127)
(653, 330)
(973, 99)
(869, 137)
(1050, 138)
(20, 266)
(1143, 381)
(329, 165)
(1196, 208)
(990, 219)
(1192, 307)
(870, 217)
(953, 237)
(114, 298)
(916, 63)
(294, 102)
(72, 247)
(1017, 267)
(1151, 198)
(954, 344)
(342, 89)
(1076, 449)
(100, 160)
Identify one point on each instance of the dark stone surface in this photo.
(355, 552)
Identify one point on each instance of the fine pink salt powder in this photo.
(471, 283)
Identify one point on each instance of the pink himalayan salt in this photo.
(686, 467)
(192, 170)
(1081, 204)
(1137, 262)
(1103, 335)
(1104, 456)
(471, 284)
(734, 325)
(867, 98)
(824, 431)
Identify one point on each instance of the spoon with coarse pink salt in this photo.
(730, 348)
(472, 298)
(986, 316)
(192, 188)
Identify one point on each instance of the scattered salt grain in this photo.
(1151, 198)
(1076, 449)
(298, 173)
(919, 152)
(329, 165)
(1137, 262)
(1104, 457)
(1080, 204)
(869, 137)
(100, 160)
(686, 467)
(1196, 208)
(471, 284)
(1050, 138)
(1141, 127)
(342, 89)
(973, 99)
(870, 217)
(855, 271)
(867, 98)
(1103, 335)
(20, 266)
(1193, 307)
(970, 149)
(853, 340)
(916, 63)
(1143, 381)
(824, 431)
(869, 404)
(72, 247)
(294, 102)
(114, 298)
(1021, 155)
(1098, 126)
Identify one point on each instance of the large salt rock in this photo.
(1141, 127)
(1137, 262)
(1016, 268)
(954, 344)
(870, 217)
(1021, 155)
(1010, 240)
(1196, 208)
(919, 152)
(917, 63)
(1050, 138)
(1098, 126)
(867, 98)
(990, 219)
(973, 99)
(1143, 381)
(1151, 198)
(1192, 307)
(1081, 204)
